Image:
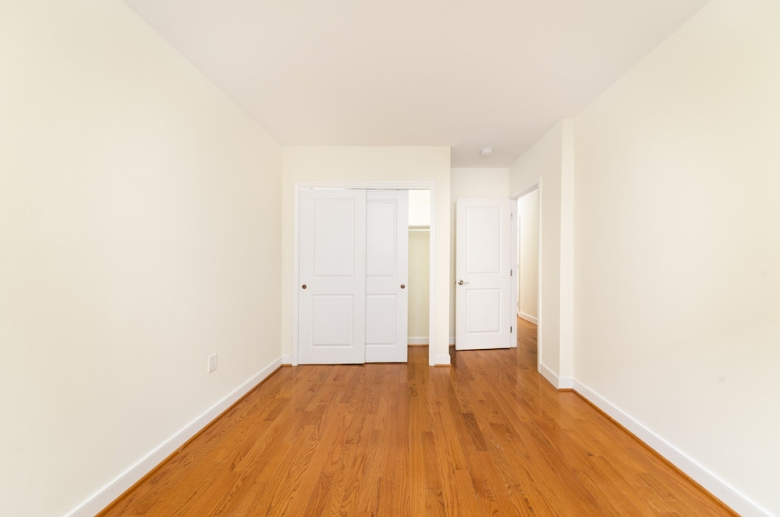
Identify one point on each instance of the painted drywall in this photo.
(419, 285)
(677, 273)
(370, 164)
(544, 164)
(134, 241)
(528, 264)
(472, 183)
(419, 208)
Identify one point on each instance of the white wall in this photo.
(419, 208)
(370, 164)
(139, 232)
(419, 285)
(528, 270)
(677, 291)
(472, 183)
(546, 164)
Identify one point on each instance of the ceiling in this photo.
(459, 73)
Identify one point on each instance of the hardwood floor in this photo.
(488, 436)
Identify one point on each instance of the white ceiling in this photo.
(462, 73)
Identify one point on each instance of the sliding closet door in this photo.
(332, 294)
(387, 265)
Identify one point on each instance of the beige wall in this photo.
(678, 244)
(139, 233)
(472, 183)
(528, 270)
(419, 278)
(370, 164)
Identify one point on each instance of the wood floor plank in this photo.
(487, 436)
(467, 497)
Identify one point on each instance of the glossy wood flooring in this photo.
(488, 436)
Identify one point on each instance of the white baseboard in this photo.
(443, 359)
(549, 375)
(711, 482)
(452, 340)
(415, 341)
(106, 495)
(560, 383)
(526, 317)
(287, 360)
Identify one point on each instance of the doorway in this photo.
(419, 267)
(526, 257)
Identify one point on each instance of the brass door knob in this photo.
(403, 286)
(303, 286)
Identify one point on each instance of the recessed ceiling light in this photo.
(486, 151)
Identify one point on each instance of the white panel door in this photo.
(332, 294)
(387, 265)
(482, 290)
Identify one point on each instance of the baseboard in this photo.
(287, 360)
(442, 360)
(106, 495)
(526, 317)
(548, 374)
(565, 383)
(452, 340)
(560, 383)
(716, 486)
(416, 341)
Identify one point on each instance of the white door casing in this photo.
(387, 264)
(482, 265)
(332, 305)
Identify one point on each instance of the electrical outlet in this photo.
(212, 362)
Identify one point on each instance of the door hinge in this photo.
(511, 329)
(510, 272)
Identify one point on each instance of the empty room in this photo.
(374, 258)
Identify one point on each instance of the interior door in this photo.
(482, 290)
(387, 265)
(332, 294)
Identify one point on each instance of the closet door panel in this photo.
(387, 261)
(332, 294)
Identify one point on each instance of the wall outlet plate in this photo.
(212, 363)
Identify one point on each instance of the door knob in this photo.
(461, 282)
(403, 286)
(303, 286)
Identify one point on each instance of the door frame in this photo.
(529, 187)
(368, 185)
